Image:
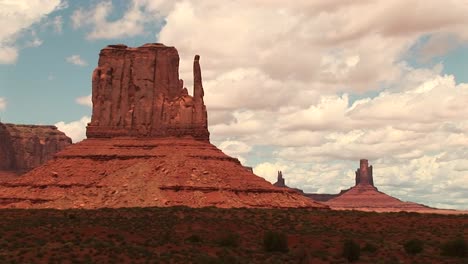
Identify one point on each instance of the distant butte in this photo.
(24, 147)
(364, 196)
(148, 145)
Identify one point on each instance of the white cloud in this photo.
(285, 78)
(76, 60)
(235, 149)
(317, 85)
(76, 130)
(132, 23)
(85, 100)
(20, 15)
(8, 55)
(56, 23)
(3, 103)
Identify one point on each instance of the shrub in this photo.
(228, 240)
(413, 246)
(275, 241)
(351, 250)
(455, 248)
(370, 248)
(193, 239)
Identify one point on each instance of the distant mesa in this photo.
(24, 147)
(148, 145)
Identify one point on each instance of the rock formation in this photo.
(364, 173)
(137, 92)
(24, 147)
(364, 196)
(148, 145)
(280, 180)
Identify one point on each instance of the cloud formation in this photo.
(313, 86)
(3, 103)
(76, 130)
(19, 15)
(76, 60)
(85, 100)
(131, 24)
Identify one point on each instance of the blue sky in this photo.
(308, 87)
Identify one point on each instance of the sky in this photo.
(307, 87)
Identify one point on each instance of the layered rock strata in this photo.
(24, 147)
(137, 92)
(148, 145)
(133, 172)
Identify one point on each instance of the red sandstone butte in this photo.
(148, 145)
(24, 147)
(364, 196)
(137, 92)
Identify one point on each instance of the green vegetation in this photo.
(228, 239)
(413, 246)
(275, 241)
(351, 250)
(455, 248)
(211, 235)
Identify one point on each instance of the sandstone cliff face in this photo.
(137, 92)
(24, 147)
(364, 174)
(148, 145)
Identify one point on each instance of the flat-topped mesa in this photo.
(24, 147)
(364, 174)
(137, 92)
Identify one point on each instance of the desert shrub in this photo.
(275, 241)
(413, 246)
(228, 240)
(351, 250)
(455, 248)
(369, 247)
(193, 239)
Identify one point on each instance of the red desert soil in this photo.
(214, 235)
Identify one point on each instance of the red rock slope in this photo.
(165, 158)
(368, 198)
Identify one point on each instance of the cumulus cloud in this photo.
(56, 23)
(20, 15)
(235, 149)
(85, 100)
(321, 84)
(76, 60)
(132, 23)
(76, 130)
(3, 103)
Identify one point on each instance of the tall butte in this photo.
(148, 145)
(137, 92)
